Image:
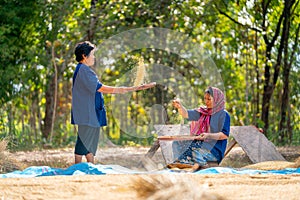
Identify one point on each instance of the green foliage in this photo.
(13, 44)
(230, 32)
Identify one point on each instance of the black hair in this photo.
(83, 48)
(209, 91)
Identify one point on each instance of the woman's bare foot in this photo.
(196, 167)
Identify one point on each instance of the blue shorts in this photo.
(87, 140)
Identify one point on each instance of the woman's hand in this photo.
(202, 136)
(177, 104)
(211, 136)
(122, 89)
(141, 87)
(145, 86)
(181, 109)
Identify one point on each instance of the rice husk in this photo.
(274, 165)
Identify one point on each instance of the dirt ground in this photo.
(221, 186)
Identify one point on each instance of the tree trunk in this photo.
(266, 106)
(285, 130)
(46, 130)
(256, 101)
(93, 22)
(270, 84)
(55, 93)
(283, 126)
(268, 90)
(33, 114)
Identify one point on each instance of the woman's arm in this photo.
(212, 136)
(222, 135)
(105, 89)
(181, 109)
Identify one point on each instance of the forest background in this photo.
(253, 43)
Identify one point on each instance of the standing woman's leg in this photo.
(87, 143)
(80, 149)
(90, 158)
(78, 158)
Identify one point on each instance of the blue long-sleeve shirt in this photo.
(219, 122)
(87, 103)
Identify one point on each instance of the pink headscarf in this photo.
(202, 125)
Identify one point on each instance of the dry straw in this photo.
(140, 73)
(3, 145)
(164, 187)
(7, 163)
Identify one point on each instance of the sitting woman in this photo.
(211, 126)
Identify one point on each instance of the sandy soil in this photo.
(120, 187)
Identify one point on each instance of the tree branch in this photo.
(287, 8)
(295, 45)
(237, 22)
(293, 11)
(264, 13)
(277, 29)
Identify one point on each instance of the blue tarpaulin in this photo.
(89, 168)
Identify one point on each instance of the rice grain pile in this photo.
(274, 165)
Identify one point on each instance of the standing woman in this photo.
(211, 126)
(88, 110)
